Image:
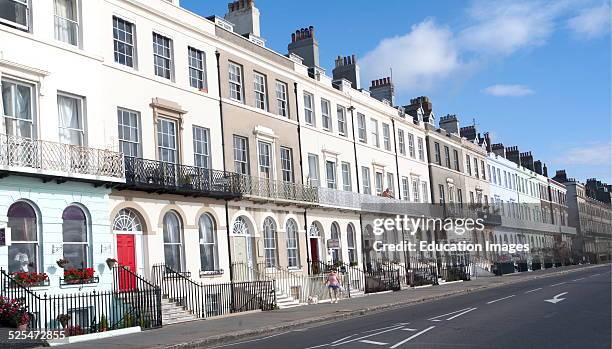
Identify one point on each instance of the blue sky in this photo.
(533, 73)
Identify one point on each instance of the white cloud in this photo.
(591, 22)
(508, 90)
(590, 154)
(419, 59)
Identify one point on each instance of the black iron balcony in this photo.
(164, 177)
(257, 188)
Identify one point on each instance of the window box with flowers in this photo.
(13, 313)
(79, 277)
(30, 279)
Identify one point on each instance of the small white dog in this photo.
(313, 300)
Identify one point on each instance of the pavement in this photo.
(322, 324)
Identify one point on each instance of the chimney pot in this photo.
(292, 37)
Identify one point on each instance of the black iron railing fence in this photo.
(86, 312)
(168, 177)
(213, 300)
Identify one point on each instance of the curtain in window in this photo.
(172, 241)
(208, 246)
(23, 252)
(66, 24)
(16, 100)
(15, 11)
(74, 232)
(69, 120)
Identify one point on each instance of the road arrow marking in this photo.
(556, 298)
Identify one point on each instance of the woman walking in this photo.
(333, 285)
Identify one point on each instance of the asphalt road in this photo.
(566, 311)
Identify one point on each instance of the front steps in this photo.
(173, 313)
(283, 301)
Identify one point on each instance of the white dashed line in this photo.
(409, 329)
(411, 337)
(501, 299)
(436, 318)
(578, 279)
(465, 312)
(560, 283)
(373, 342)
(535, 289)
(595, 274)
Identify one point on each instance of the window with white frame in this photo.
(269, 234)
(18, 109)
(265, 159)
(241, 155)
(75, 238)
(330, 172)
(415, 190)
(401, 141)
(325, 115)
(425, 190)
(350, 243)
(482, 169)
(293, 254)
(167, 148)
(124, 42)
(309, 116)
(405, 189)
(391, 183)
(313, 170)
(365, 174)
(386, 136)
(201, 147)
(347, 184)
(335, 235)
(447, 158)
(468, 165)
(456, 160)
(197, 68)
(282, 99)
(341, 114)
(259, 88)
(23, 253)
(15, 13)
(411, 145)
(162, 56)
(374, 132)
(476, 168)
(378, 182)
(421, 149)
(209, 258)
(66, 21)
(361, 128)
(286, 157)
(128, 123)
(71, 121)
(235, 82)
(437, 157)
(173, 241)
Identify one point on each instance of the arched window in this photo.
(350, 243)
(270, 242)
(209, 259)
(241, 227)
(76, 242)
(173, 241)
(293, 255)
(127, 220)
(23, 252)
(335, 237)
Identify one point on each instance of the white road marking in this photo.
(411, 337)
(595, 274)
(409, 329)
(578, 279)
(341, 339)
(383, 328)
(560, 283)
(535, 289)
(364, 337)
(501, 299)
(256, 340)
(318, 346)
(373, 342)
(435, 318)
(465, 312)
(556, 299)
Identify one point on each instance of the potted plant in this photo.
(75, 330)
(62, 262)
(111, 262)
(78, 276)
(30, 279)
(63, 319)
(13, 313)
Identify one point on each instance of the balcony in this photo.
(262, 189)
(163, 177)
(59, 161)
(370, 203)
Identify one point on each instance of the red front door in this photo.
(126, 256)
(314, 250)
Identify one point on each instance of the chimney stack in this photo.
(560, 176)
(537, 165)
(347, 68)
(544, 170)
(423, 103)
(450, 123)
(468, 132)
(513, 154)
(245, 17)
(498, 149)
(304, 44)
(383, 89)
(527, 160)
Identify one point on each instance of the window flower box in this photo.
(204, 273)
(31, 279)
(79, 276)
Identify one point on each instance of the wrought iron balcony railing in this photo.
(44, 158)
(165, 177)
(268, 189)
